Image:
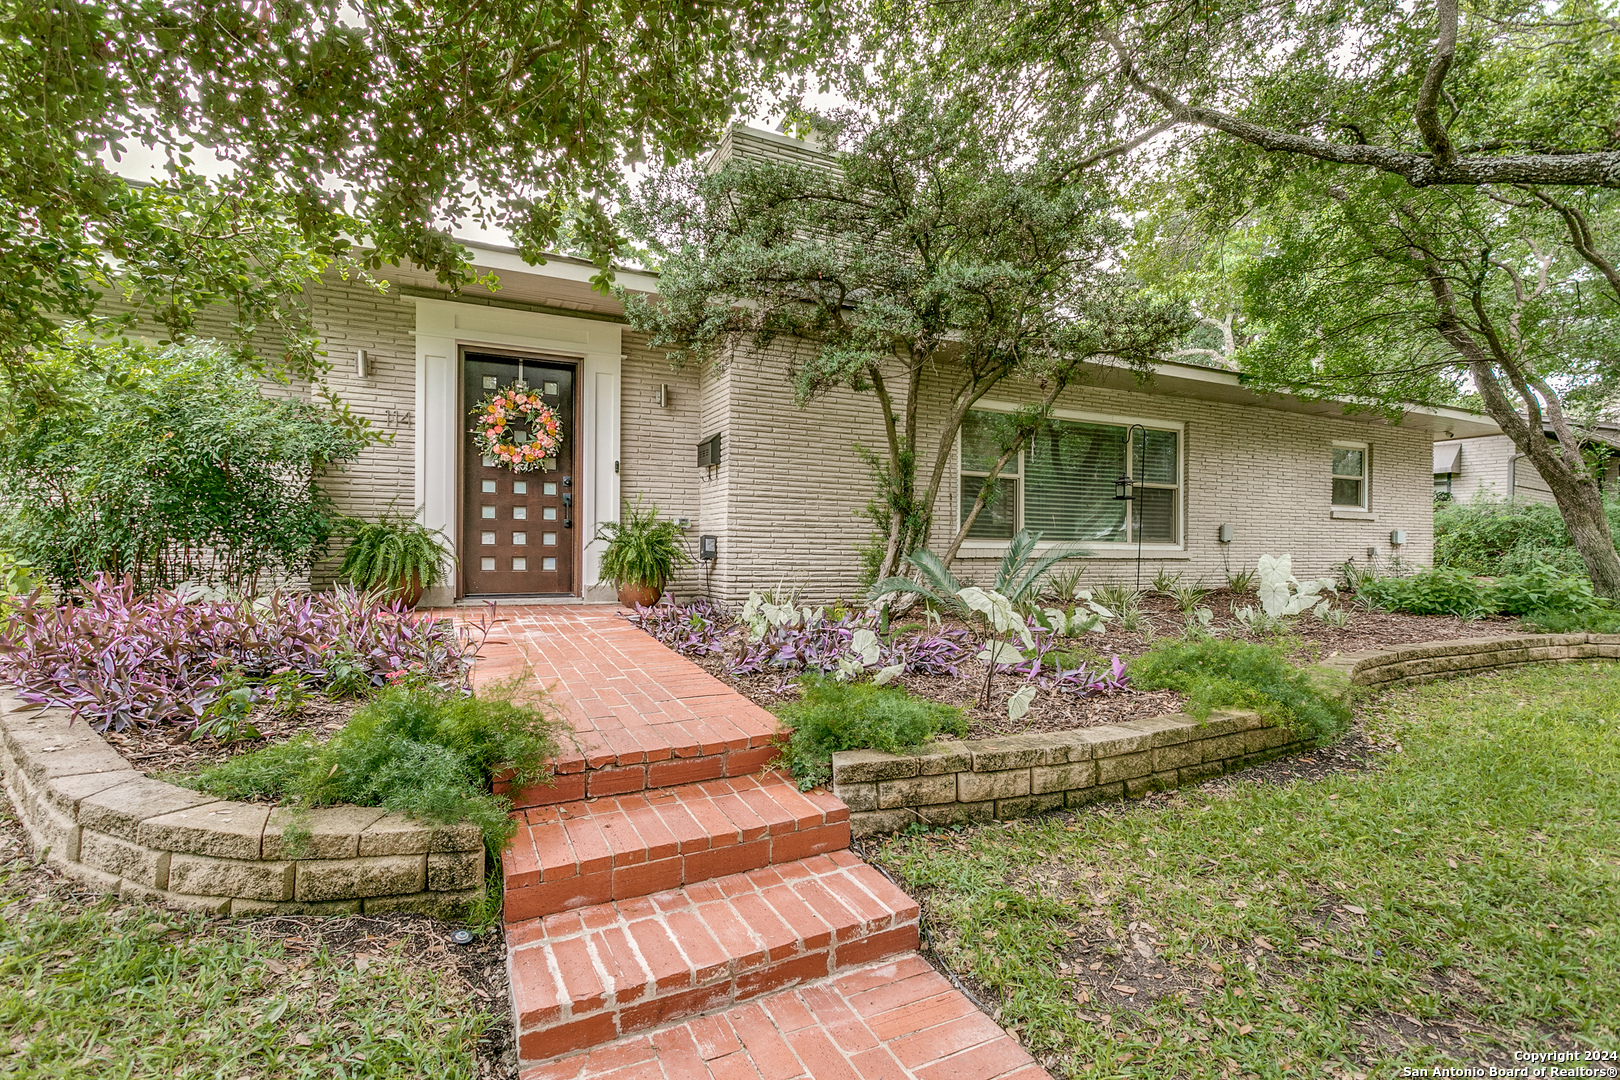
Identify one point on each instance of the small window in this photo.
(1350, 475)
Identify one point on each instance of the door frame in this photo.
(574, 364)
(595, 347)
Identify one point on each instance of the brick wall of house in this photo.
(658, 442)
(798, 487)
(348, 317)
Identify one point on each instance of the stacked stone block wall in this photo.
(996, 779)
(94, 816)
(952, 783)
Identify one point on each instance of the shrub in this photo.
(1544, 588)
(1429, 592)
(833, 716)
(1236, 674)
(115, 658)
(419, 749)
(1495, 537)
(167, 465)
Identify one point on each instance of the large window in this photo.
(1062, 483)
(1349, 476)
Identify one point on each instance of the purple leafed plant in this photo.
(116, 658)
(704, 628)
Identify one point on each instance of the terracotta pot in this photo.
(639, 595)
(409, 592)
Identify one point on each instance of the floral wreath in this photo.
(500, 418)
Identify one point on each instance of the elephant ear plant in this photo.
(394, 554)
(996, 609)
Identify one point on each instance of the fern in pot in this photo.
(395, 555)
(643, 552)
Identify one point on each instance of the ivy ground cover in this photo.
(1456, 902)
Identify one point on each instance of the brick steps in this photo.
(586, 977)
(643, 717)
(586, 853)
(895, 1020)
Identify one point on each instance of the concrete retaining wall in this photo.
(956, 783)
(996, 779)
(1465, 656)
(97, 818)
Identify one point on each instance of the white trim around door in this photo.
(443, 329)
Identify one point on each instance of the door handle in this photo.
(568, 498)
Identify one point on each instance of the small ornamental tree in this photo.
(928, 245)
(166, 465)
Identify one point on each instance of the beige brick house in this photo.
(1228, 474)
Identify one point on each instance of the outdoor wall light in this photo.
(362, 363)
(708, 548)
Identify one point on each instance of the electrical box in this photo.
(1397, 537)
(708, 451)
(708, 547)
(1224, 534)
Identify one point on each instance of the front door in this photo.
(517, 531)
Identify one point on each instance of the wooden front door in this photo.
(517, 528)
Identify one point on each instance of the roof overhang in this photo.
(1217, 384)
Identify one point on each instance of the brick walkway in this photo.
(677, 910)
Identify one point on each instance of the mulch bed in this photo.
(1309, 639)
(169, 748)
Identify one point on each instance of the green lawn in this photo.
(1455, 903)
(91, 987)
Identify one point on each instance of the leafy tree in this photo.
(168, 465)
(372, 121)
(926, 246)
(1441, 182)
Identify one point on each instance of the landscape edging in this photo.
(952, 783)
(95, 817)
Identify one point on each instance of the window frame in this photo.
(1365, 505)
(985, 546)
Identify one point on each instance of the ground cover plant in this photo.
(1243, 675)
(116, 657)
(1456, 902)
(415, 747)
(831, 716)
(1538, 593)
(95, 987)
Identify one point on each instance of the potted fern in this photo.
(395, 555)
(643, 552)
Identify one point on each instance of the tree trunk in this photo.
(1580, 501)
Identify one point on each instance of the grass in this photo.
(1326, 927)
(94, 987)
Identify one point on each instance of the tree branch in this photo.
(1427, 113)
(1420, 169)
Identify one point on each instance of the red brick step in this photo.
(586, 977)
(585, 853)
(896, 1020)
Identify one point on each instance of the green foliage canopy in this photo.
(372, 122)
